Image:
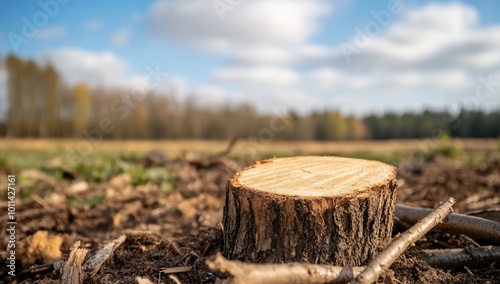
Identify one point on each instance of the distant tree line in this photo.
(40, 105)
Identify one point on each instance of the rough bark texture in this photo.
(346, 230)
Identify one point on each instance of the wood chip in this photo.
(72, 272)
(93, 265)
(143, 280)
(176, 269)
(175, 279)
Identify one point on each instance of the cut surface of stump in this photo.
(315, 209)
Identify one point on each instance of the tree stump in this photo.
(327, 210)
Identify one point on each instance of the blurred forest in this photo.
(40, 104)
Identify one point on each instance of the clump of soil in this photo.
(182, 227)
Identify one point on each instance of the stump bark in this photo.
(327, 210)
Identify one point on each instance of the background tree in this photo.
(50, 125)
(81, 109)
(39, 104)
(14, 67)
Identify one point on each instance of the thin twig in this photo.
(285, 273)
(398, 246)
(39, 268)
(179, 269)
(42, 202)
(449, 258)
(474, 227)
(229, 147)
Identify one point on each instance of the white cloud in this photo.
(214, 95)
(330, 78)
(263, 54)
(121, 37)
(297, 99)
(421, 58)
(271, 22)
(173, 84)
(83, 65)
(428, 54)
(93, 25)
(326, 77)
(421, 39)
(51, 32)
(257, 75)
(108, 70)
(274, 54)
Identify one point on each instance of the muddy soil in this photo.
(181, 227)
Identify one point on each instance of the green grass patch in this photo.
(390, 157)
(26, 192)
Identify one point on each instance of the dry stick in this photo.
(229, 147)
(93, 264)
(176, 269)
(471, 226)
(449, 258)
(398, 246)
(299, 272)
(284, 273)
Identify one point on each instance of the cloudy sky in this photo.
(356, 56)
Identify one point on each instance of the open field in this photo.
(173, 148)
(170, 207)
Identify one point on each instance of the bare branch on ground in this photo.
(398, 246)
(449, 258)
(294, 272)
(471, 226)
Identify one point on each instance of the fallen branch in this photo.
(471, 226)
(293, 272)
(490, 214)
(398, 246)
(449, 258)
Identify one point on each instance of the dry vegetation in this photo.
(176, 147)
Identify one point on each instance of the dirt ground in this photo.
(181, 227)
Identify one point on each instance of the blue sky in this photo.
(355, 56)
